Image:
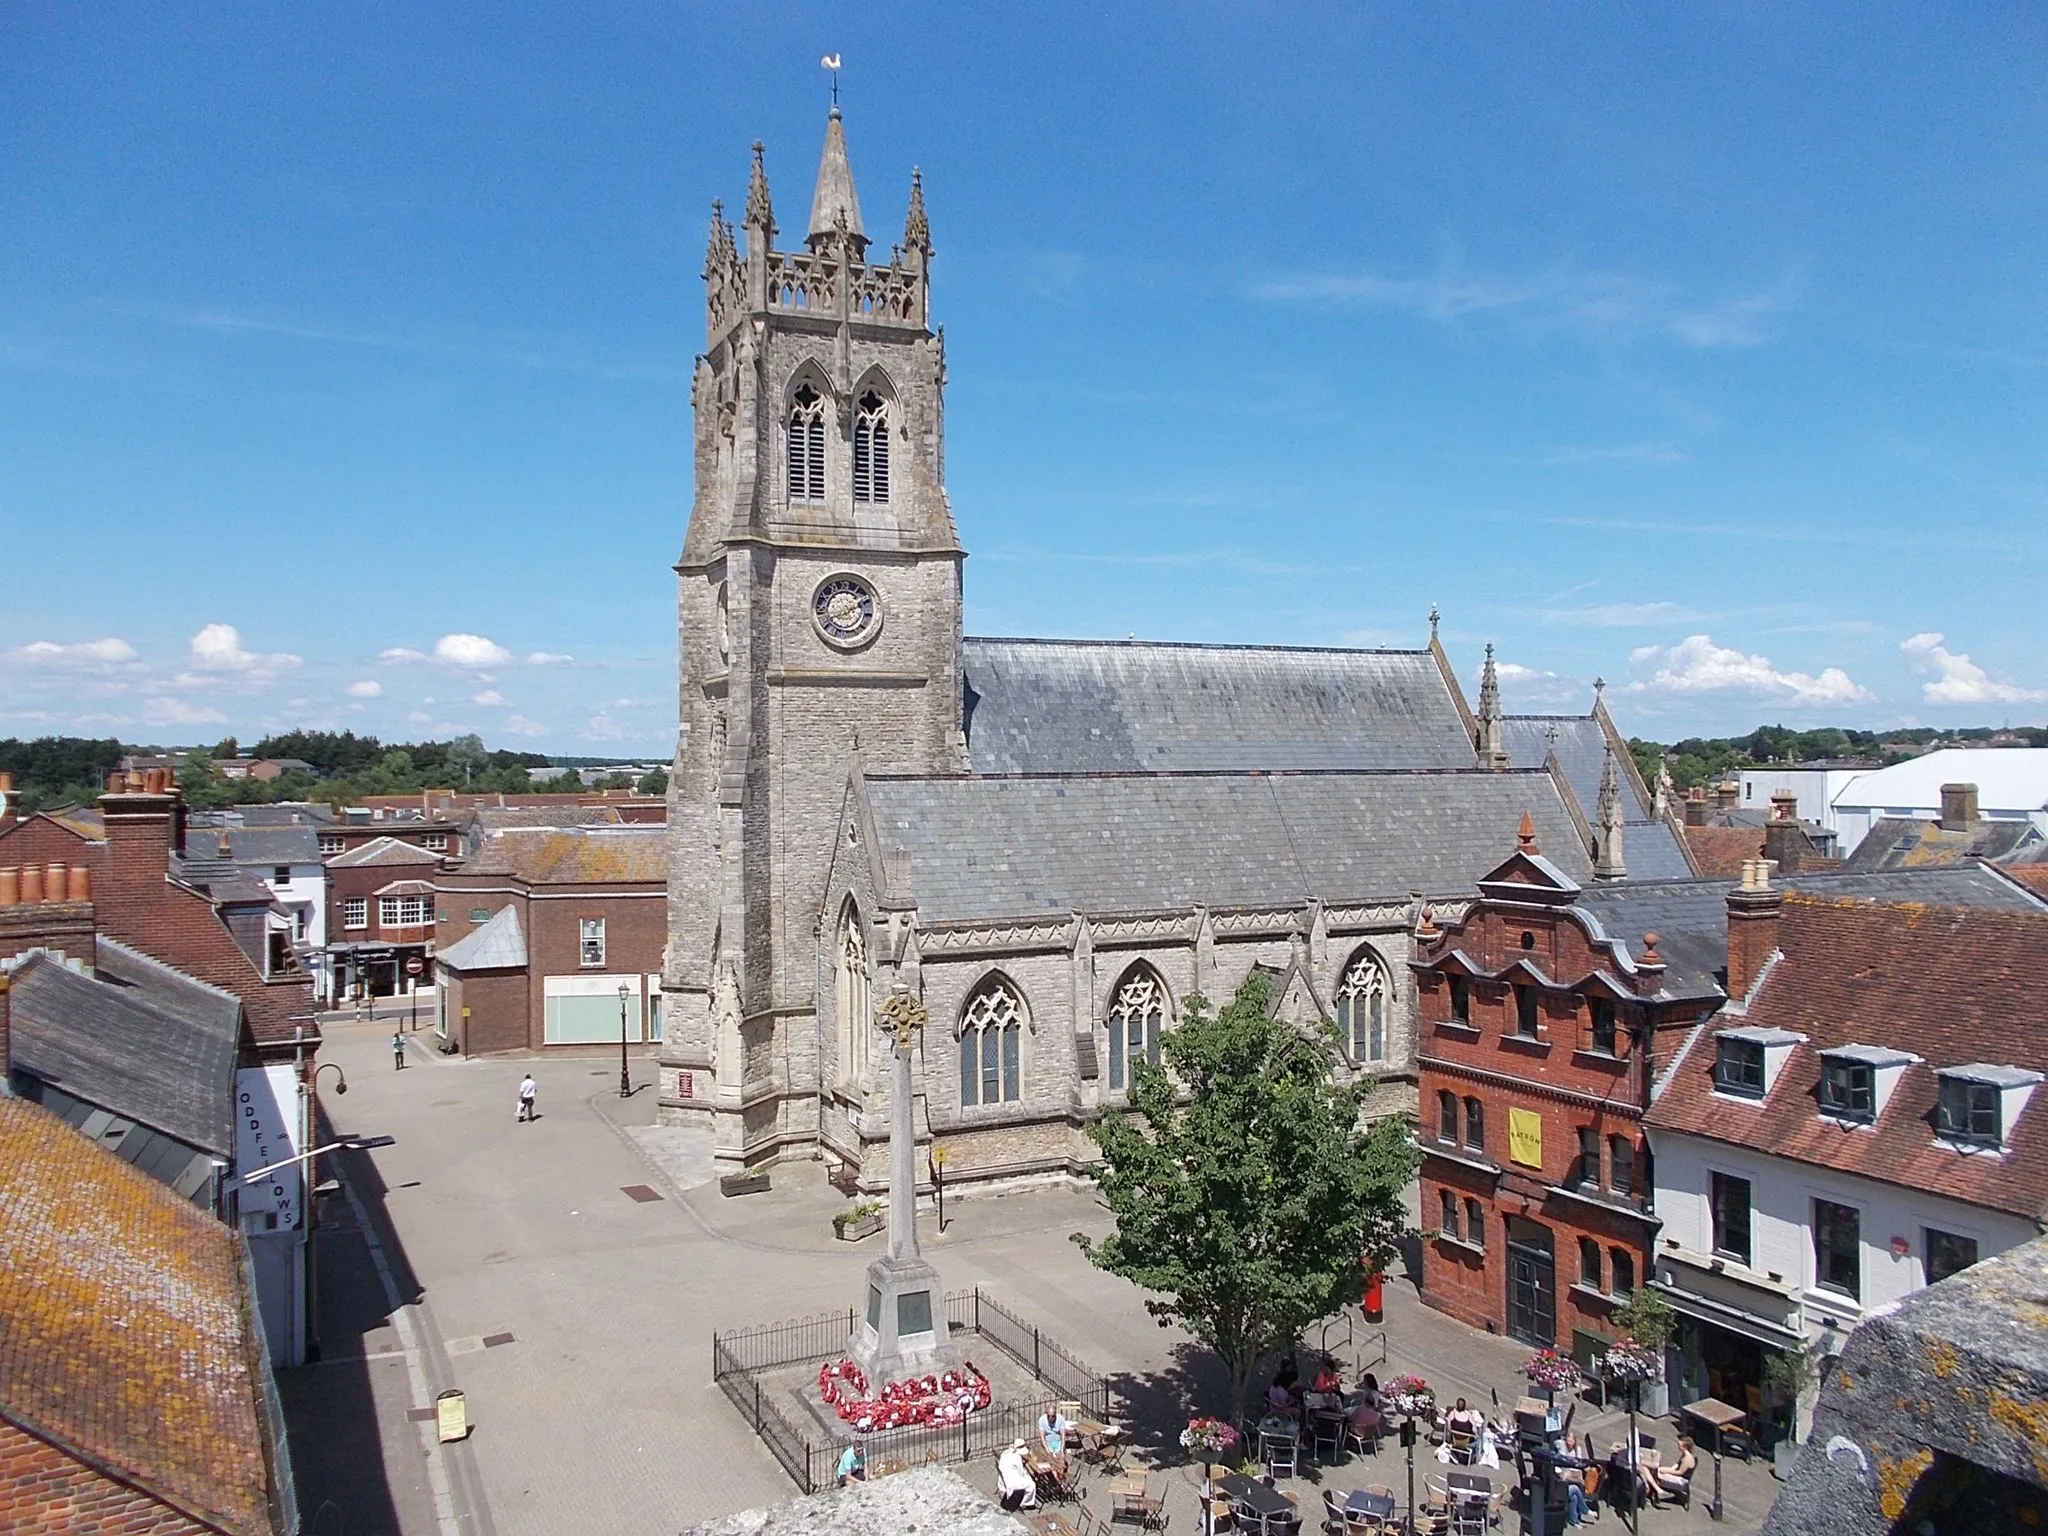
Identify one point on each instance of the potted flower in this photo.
(1628, 1363)
(1646, 1318)
(864, 1220)
(1410, 1396)
(1209, 1438)
(1553, 1371)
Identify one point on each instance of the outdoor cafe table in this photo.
(1719, 1417)
(1266, 1503)
(1363, 1501)
(1469, 1485)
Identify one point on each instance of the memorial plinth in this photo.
(902, 1331)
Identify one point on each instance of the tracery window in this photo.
(871, 449)
(1362, 1008)
(851, 996)
(991, 1035)
(807, 444)
(1134, 1023)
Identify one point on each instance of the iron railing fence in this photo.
(739, 1358)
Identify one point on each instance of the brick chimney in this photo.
(8, 815)
(1784, 839)
(1959, 807)
(1696, 807)
(145, 819)
(1727, 794)
(1754, 907)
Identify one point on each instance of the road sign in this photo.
(414, 966)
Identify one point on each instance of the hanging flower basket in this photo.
(1553, 1371)
(1209, 1437)
(1410, 1396)
(1627, 1362)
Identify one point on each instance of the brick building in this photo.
(381, 906)
(134, 1396)
(1541, 1029)
(541, 929)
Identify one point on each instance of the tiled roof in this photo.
(495, 945)
(1952, 985)
(1899, 842)
(122, 1324)
(2033, 876)
(379, 851)
(1719, 851)
(1072, 706)
(1580, 743)
(79, 821)
(111, 1044)
(611, 855)
(1017, 846)
(498, 818)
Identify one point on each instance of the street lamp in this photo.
(625, 1076)
(340, 1077)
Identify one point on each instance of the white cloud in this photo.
(400, 655)
(1697, 665)
(470, 651)
(1955, 679)
(366, 689)
(603, 727)
(101, 654)
(218, 648)
(548, 658)
(490, 698)
(1515, 672)
(168, 711)
(419, 717)
(519, 725)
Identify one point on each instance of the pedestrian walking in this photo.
(528, 1089)
(398, 1051)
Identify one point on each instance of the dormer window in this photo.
(1461, 1001)
(1739, 1068)
(1848, 1089)
(1601, 1010)
(1978, 1104)
(1526, 1021)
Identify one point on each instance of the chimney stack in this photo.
(1727, 794)
(31, 885)
(1696, 807)
(145, 820)
(1754, 907)
(7, 813)
(1959, 807)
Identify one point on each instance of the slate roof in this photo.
(1651, 851)
(123, 1324)
(1581, 748)
(297, 843)
(379, 851)
(112, 1044)
(615, 855)
(1072, 706)
(495, 945)
(1952, 985)
(1899, 842)
(1017, 846)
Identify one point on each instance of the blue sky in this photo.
(344, 351)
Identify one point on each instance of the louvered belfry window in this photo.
(871, 449)
(807, 445)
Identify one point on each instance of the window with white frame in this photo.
(871, 449)
(435, 842)
(1134, 1022)
(991, 1039)
(331, 845)
(807, 444)
(355, 912)
(402, 912)
(590, 941)
(1362, 1007)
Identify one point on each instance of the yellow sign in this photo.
(1525, 1137)
(451, 1416)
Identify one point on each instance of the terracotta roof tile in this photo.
(621, 855)
(122, 1324)
(1951, 985)
(1719, 851)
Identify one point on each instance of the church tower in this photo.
(819, 624)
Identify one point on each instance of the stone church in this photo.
(1053, 843)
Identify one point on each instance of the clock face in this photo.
(845, 610)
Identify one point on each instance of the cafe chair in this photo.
(1283, 1456)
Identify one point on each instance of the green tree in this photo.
(202, 786)
(1245, 1191)
(466, 758)
(653, 782)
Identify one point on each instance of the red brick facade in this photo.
(1536, 1038)
(43, 1490)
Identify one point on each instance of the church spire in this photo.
(1608, 863)
(760, 213)
(917, 229)
(1493, 755)
(720, 250)
(834, 206)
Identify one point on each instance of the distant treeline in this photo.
(54, 770)
(1704, 759)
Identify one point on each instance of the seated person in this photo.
(1052, 1431)
(853, 1464)
(1328, 1381)
(1464, 1417)
(1369, 1391)
(1279, 1404)
(1287, 1376)
(1674, 1481)
(1019, 1489)
(1365, 1419)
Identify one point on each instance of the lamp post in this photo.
(625, 1076)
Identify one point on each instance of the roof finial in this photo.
(917, 229)
(1493, 754)
(1599, 687)
(1433, 617)
(831, 62)
(1608, 862)
(1525, 834)
(760, 212)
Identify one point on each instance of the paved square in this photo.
(598, 1413)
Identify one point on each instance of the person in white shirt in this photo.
(1014, 1480)
(529, 1090)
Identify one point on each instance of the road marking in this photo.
(407, 1325)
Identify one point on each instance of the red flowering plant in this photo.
(1628, 1361)
(1211, 1437)
(1552, 1371)
(1410, 1396)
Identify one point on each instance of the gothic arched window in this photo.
(807, 444)
(1362, 1007)
(871, 448)
(1134, 1020)
(991, 1032)
(851, 996)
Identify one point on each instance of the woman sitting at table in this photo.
(1369, 1391)
(1329, 1382)
(1674, 1481)
(1014, 1481)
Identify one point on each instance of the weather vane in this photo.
(831, 61)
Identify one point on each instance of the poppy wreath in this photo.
(913, 1402)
